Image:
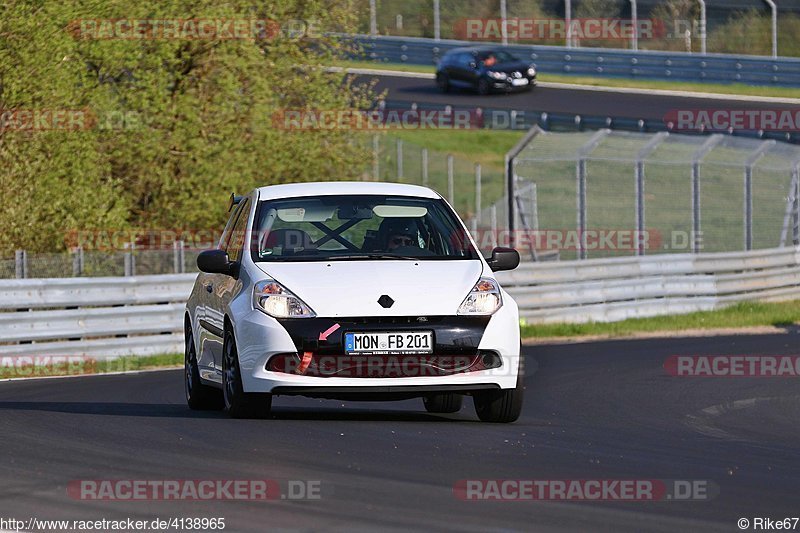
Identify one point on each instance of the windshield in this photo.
(324, 228)
(492, 58)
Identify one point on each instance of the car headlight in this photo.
(484, 299)
(496, 75)
(531, 72)
(278, 301)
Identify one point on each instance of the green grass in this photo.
(718, 88)
(44, 366)
(782, 314)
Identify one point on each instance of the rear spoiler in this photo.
(234, 201)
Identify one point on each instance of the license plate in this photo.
(519, 81)
(394, 342)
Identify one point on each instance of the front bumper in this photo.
(261, 337)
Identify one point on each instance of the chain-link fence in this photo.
(738, 26)
(476, 191)
(79, 262)
(611, 193)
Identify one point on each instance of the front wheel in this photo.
(443, 83)
(238, 403)
(503, 405)
(447, 402)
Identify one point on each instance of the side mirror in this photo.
(215, 262)
(503, 259)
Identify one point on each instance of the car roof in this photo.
(472, 49)
(330, 188)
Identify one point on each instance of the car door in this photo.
(210, 332)
(223, 286)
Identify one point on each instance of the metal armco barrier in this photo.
(103, 317)
(607, 290)
(144, 315)
(653, 65)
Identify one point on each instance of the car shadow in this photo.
(162, 410)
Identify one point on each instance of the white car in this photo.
(351, 290)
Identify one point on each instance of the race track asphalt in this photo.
(601, 410)
(407, 90)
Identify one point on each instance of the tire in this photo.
(238, 403)
(443, 83)
(447, 402)
(199, 397)
(500, 406)
(483, 87)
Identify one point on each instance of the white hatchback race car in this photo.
(354, 291)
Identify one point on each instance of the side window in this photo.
(226, 233)
(237, 236)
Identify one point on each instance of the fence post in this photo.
(437, 23)
(478, 192)
(646, 150)
(376, 150)
(796, 206)
(373, 18)
(130, 260)
(399, 158)
(77, 262)
(696, 207)
(503, 17)
(580, 187)
(752, 158)
(21, 264)
(425, 167)
(450, 181)
(177, 257)
(493, 220)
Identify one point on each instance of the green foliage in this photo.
(180, 123)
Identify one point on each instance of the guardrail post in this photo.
(450, 180)
(130, 260)
(77, 262)
(21, 264)
(478, 192)
(635, 24)
(399, 158)
(425, 167)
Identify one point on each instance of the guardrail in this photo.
(644, 64)
(143, 315)
(140, 315)
(607, 290)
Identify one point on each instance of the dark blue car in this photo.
(484, 70)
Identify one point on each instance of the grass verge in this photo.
(714, 88)
(39, 366)
(748, 314)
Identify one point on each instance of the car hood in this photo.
(352, 288)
